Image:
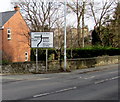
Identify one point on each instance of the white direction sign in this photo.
(41, 39)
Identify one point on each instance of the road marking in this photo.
(80, 77)
(114, 72)
(39, 79)
(62, 90)
(72, 88)
(100, 75)
(115, 77)
(101, 81)
(90, 77)
(44, 94)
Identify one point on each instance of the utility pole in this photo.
(65, 36)
(71, 41)
(83, 28)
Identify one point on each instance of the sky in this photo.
(5, 5)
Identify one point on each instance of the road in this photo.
(98, 84)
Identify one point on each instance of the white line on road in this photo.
(72, 88)
(115, 78)
(80, 77)
(101, 81)
(62, 90)
(44, 94)
(90, 77)
(114, 72)
(40, 79)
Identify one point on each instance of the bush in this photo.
(42, 54)
(87, 52)
(94, 52)
(5, 62)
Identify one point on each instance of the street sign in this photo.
(41, 39)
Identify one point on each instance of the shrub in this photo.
(87, 52)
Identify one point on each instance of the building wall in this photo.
(0, 46)
(15, 48)
(0, 40)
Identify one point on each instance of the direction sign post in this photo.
(36, 60)
(46, 59)
(41, 40)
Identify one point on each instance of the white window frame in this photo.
(9, 34)
(26, 56)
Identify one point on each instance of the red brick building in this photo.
(14, 36)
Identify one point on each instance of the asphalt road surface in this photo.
(89, 85)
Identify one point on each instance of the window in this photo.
(9, 34)
(26, 56)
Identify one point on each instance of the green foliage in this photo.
(87, 52)
(106, 36)
(93, 52)
(96, 37)
(110, 32)
(42, 54)
(5, 62)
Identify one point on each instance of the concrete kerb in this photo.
(92, 69)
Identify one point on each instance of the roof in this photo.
(5, 16)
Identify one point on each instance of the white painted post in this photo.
(83, 25)
(36, 60)
(65, 36)
(46, 59)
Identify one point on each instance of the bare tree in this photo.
(76, 7)
(101, 12)
(39, 14)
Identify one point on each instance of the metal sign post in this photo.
(41, 40)
(36, 60)
(46, 59)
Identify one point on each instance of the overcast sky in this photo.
(5, 5)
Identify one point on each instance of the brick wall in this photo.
(0, 46)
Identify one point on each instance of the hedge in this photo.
(76, 53)
(42, 54)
